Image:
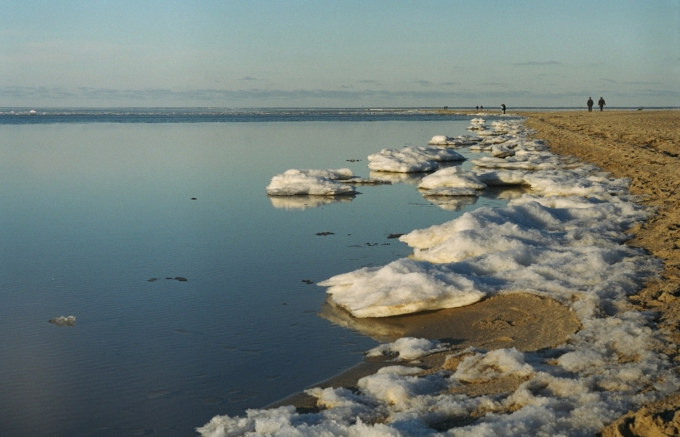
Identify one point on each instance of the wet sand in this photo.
(521, 320)
(641, 145)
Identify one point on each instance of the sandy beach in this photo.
(645, 147)
(640, 145)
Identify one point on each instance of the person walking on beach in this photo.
(503, 107)
(590, 104)
(601, 103)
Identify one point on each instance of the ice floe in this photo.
(63, 321)
(313, 182)
(459, 141)
(412, 159)
(451, 181)
(564, 238)
(295, 182)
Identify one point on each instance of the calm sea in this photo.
(193, 291)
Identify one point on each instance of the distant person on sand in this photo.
(503, 107)
(590, 104)
(601, 103)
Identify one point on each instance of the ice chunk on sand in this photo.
(401, 287)
(492, 365)
(521, 160)
(295, 182)
(573, 183)
(411, 159)
(399, 385)
(407, 348)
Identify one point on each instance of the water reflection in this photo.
(385, 329)
(459, 203)
(451, 203)
(304, 202)
(505, 193)
(94, 212)
(398, 178)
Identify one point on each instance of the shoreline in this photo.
(625, 144)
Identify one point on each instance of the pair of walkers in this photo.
(600, 103)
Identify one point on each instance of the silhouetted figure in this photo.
(590, 104)
(601, 103)
(503, 107)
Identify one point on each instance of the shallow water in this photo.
(96, 216)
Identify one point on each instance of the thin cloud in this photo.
(49, 96)
(495, 84)
(640, 82)
(535, 63)
(152, 95)
(37, 92)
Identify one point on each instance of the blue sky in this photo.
(339, 53)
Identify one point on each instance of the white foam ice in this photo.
(407, 348)
(501, 177)
(296, 182)
(563, 239)
(521, 160)
(477, 124)
(492, 365)
(411, 159)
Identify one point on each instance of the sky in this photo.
(366, 53)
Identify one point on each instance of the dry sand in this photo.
(645, 147)
(641, 145)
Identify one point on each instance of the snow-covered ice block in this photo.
(295, 182)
